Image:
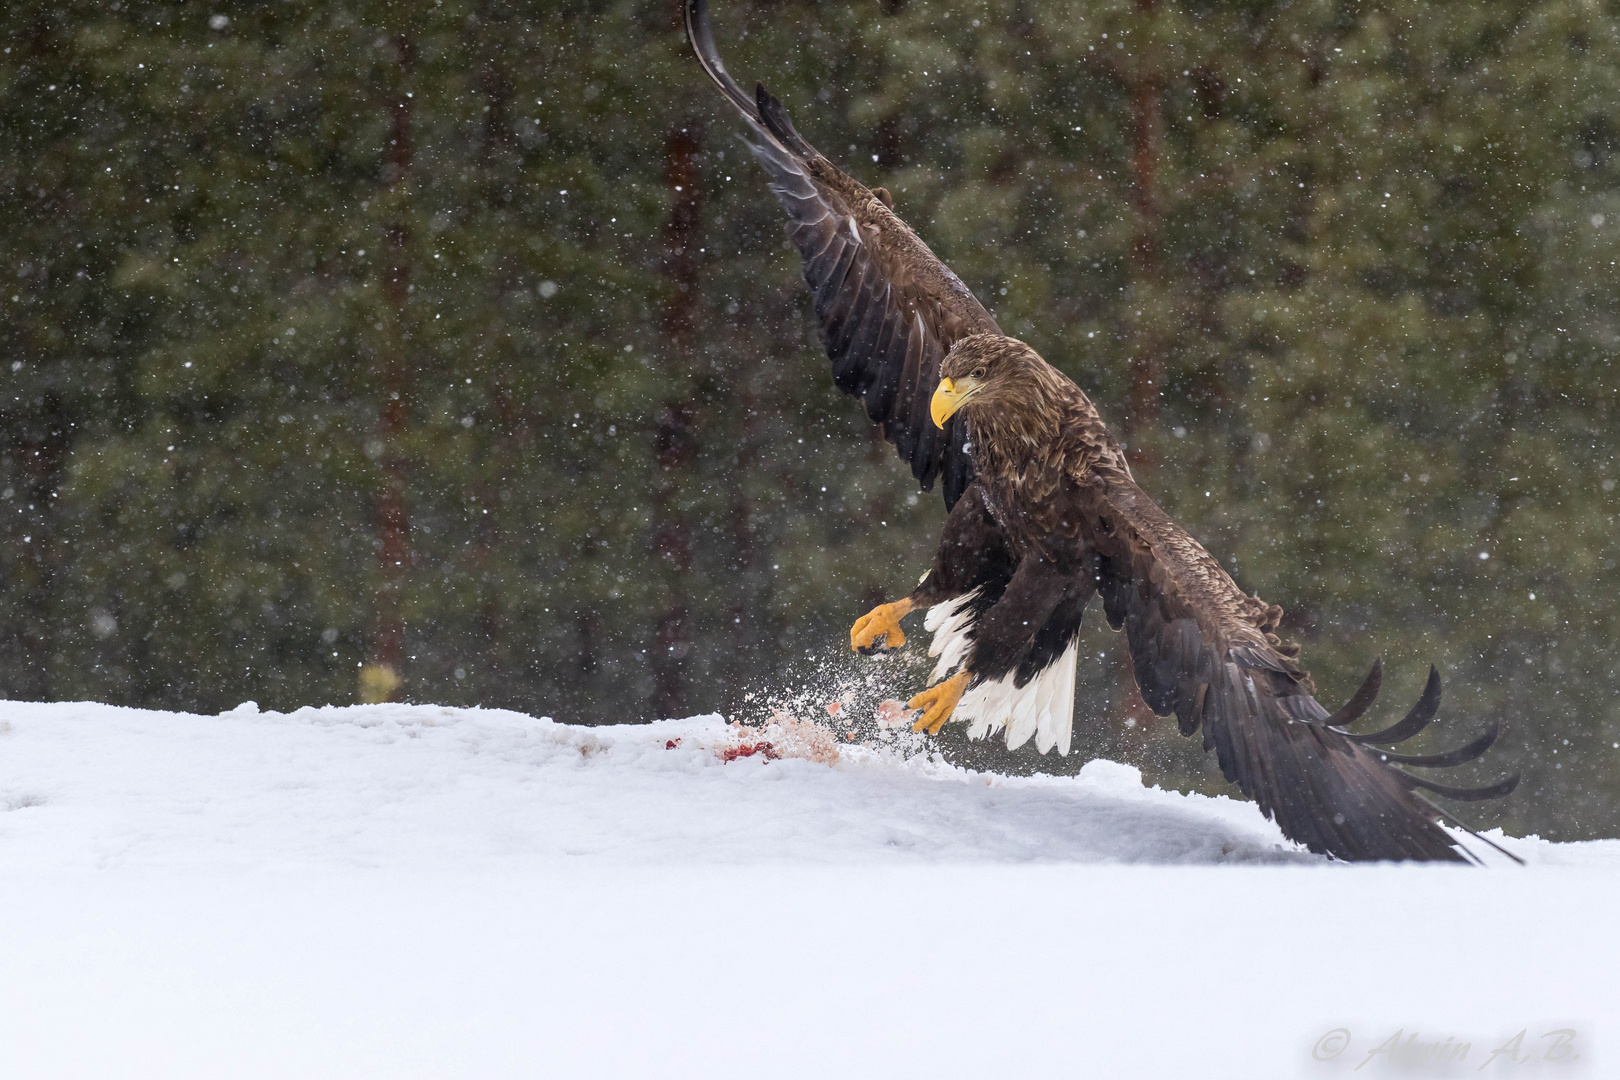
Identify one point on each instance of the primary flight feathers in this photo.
(888, 309)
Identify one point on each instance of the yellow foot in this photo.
(938, 702)
(880, 628)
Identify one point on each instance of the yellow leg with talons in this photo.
(880, 628)
(938, 702)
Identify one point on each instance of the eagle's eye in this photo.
(977, 373)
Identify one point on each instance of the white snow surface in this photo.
(416, 891)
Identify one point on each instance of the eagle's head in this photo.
(989, 373)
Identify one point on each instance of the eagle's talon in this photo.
(879, 629)
(938, 702)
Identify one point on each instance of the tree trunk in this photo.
(500, 418)
(1147, 343)
(746, 612)
(1143, 405)
(382, 677)
(675, 445)
(40, 442)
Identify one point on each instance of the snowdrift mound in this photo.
(88, 786)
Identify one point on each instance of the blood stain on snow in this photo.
(782, 736)
(748, 749)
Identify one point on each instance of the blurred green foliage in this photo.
(1373, 261)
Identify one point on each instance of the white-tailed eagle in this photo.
(1044, 515)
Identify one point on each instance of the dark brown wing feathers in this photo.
(1202, 650)
(887, 308)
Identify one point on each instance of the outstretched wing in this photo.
(888, 309)
(1204, 651)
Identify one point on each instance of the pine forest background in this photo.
(461, 338)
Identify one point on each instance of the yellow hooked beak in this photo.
(950, 395)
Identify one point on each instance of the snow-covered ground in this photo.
(414, 891)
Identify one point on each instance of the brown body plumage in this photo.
(1045, 515)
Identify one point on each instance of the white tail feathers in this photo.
(1042, 708)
